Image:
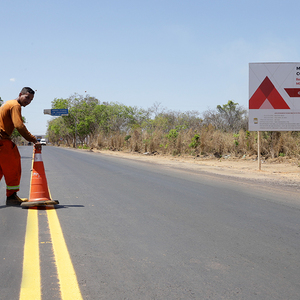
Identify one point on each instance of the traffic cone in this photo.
(39, 191)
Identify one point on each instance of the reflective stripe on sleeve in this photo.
(16, 187)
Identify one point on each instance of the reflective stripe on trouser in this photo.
(16, 187)
(10, 166)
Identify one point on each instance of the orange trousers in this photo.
(10, 166)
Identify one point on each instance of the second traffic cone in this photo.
(39, 192)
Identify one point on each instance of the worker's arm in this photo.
(19, 124)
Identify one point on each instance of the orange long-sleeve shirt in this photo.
(11, 118)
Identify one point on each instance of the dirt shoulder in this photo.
(281, 171)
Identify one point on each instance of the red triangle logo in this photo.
(267, 97)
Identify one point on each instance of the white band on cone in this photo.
(38, 157)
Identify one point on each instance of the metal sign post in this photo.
(258, 150)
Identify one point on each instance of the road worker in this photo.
(10, 159)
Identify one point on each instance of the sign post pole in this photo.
(259, 150)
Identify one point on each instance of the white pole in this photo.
(258, 150)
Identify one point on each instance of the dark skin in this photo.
(24, 100)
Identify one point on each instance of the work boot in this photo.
(14, 200)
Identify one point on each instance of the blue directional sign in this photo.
(59, 112)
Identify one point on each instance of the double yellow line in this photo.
(31, 277)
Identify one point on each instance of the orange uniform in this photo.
(10, 160)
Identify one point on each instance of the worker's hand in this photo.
(38, 146)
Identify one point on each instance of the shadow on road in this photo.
(44, 207)
(67, 206)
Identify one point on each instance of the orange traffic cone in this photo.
(39, 192)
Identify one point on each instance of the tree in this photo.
(58, 131)
(87, 117)
(227, 117)
(60, 103)
(81, 121)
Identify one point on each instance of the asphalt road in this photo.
(137, 230)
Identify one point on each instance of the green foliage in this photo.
(60, 103)
(229, 113)
(165, 121)
(195, 141)
(266, 135)
(87, 117)
(236, 136)
(173, 134)
(84, 146)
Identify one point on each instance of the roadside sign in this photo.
(56, 112)
(274, 96)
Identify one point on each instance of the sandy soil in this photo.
(281, 172)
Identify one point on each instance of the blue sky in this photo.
(186, 55)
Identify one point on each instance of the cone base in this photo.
(39, 203)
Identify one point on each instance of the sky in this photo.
(187, 55)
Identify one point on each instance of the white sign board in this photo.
(274, 96)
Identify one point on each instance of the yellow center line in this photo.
(31, 277)
(66, 273)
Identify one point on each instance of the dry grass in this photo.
(209, 142)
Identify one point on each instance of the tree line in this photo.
(115, 126)
(90, 122)
(218, 132)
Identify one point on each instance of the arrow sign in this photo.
(293, 92)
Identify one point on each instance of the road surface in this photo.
(136, 230)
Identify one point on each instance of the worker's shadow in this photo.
(50, 207)
(59, 206)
